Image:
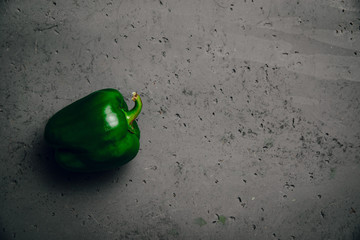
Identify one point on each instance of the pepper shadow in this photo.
(56, 176)
(356, 234)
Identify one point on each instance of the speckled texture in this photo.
(250, 126)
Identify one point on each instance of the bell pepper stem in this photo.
(135, 111)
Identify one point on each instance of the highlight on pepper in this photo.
(95, 133)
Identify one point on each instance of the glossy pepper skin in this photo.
(95, 133)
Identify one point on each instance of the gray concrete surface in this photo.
(250, 127)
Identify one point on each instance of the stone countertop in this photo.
(250, 126)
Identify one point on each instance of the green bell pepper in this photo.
(95, 133)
